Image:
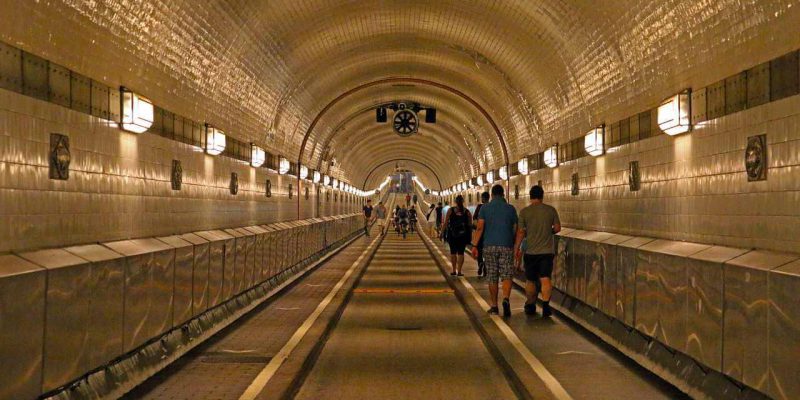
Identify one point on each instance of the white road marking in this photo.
(536, 365)
(563, 353)
(270, 369)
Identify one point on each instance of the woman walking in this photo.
(458, 223)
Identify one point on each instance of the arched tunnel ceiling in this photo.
(544, 70)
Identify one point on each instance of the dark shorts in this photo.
(538, 266)
(457, 246)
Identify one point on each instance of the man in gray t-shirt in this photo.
(538, 224)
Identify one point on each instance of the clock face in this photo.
(405, 123)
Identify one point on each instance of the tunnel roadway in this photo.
(382, 320)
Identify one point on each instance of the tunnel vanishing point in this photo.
(212, 199)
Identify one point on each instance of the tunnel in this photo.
(362, 199)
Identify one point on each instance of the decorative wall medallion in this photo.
(60, 156)
(634, 178)
(234, 183)
(470, 197)
(335, 197)
(575, 184)
(177, 175)
(516, 192)
(307, 193)
(541, 185)
(291, 191)
(269, 188)
(328, 196)
(755, 158)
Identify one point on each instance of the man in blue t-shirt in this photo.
(497, 225)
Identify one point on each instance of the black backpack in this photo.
(457, 225)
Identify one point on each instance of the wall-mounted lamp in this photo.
(490, 177)
(335, 183)
(326, 180)
(594, 141)
(215, 140)
(551, 156)
(675, 114)
(317, 177)
(257, 156)
(137, 112)
(522, 166)
(503, 172)
(303, 172)
(480, 180)
(283, 166)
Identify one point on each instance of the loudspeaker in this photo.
(430, 115)
(380, 115)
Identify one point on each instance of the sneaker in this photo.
(452, 274)
(493, 310)
(530, 309)
(546, 311)
(506, 308)
(460, 274)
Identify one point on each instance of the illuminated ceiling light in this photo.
(137, 112)
(594, 141)
(215, 140)
(326, 180)
(257, 156)
(317, 177)
(551, 156)
(480, 180)
(283, 166)
(303, 172)
(522, 166)
(503, 172)
(490, 177)
(675, 114)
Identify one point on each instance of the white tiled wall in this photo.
(694, 186)
(119, 185)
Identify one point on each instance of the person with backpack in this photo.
(458, 223)
(402, 217)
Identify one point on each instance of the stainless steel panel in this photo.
(66, 335)
(563, 257)
(240, 261)
(148, 289)
(182, 289)
(106, 286)
(646, 301)
(757, 85)
(715, 100)
(745, 324)
(270, 245)
(672, 306)
(259, 249)
(784, 332)
(595, 267)
(216, 269)
(705, 304)
(200, 272)
(22, 297)
(250, 260)
(230, 260)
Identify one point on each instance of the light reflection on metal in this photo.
(137, 112)
(594, 141)
(551, 156)
(215, 140)
(675, 114)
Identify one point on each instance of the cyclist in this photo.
(412, 219)
(402, 215)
